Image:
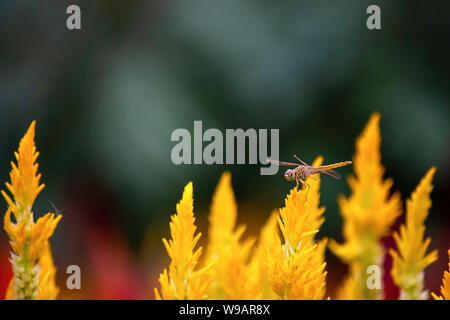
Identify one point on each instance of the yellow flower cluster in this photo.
(445, 288)
(47, 285)
(268, 238)
(368, 214)
(288, 261)
(239, 269)
(296, 267)
(411, 259)
(31, 260)
(229, 255)
(183, 282)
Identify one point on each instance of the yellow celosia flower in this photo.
(233, 276)
(183, 281)
(47, 286)
(296, 268)
(288, 261)
(349, 290)
(409, 262)
(28, 239)
(445, 288)
(369, 212)
(268, 238)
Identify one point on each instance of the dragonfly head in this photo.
(290, 175)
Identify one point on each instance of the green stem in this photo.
(26, 276)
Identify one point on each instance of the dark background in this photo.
(107, 97)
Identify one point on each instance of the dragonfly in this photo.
(304, 170)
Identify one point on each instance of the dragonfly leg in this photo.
(305, 185)
(300, 181)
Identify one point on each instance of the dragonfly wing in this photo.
(303, 162)
(331, 173)
(314, 177)
(282, 163)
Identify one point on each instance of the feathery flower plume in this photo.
(231, 270)
(268, 238)
(445, 288)
(47, 286)
(349, 289)
(409, 263)
(183, 281)
(33, 275)
(296, 268)
(368, 213)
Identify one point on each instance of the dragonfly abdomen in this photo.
(335, 165)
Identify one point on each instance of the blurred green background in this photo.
(107, 97)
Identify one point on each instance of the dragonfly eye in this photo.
(289, 174)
